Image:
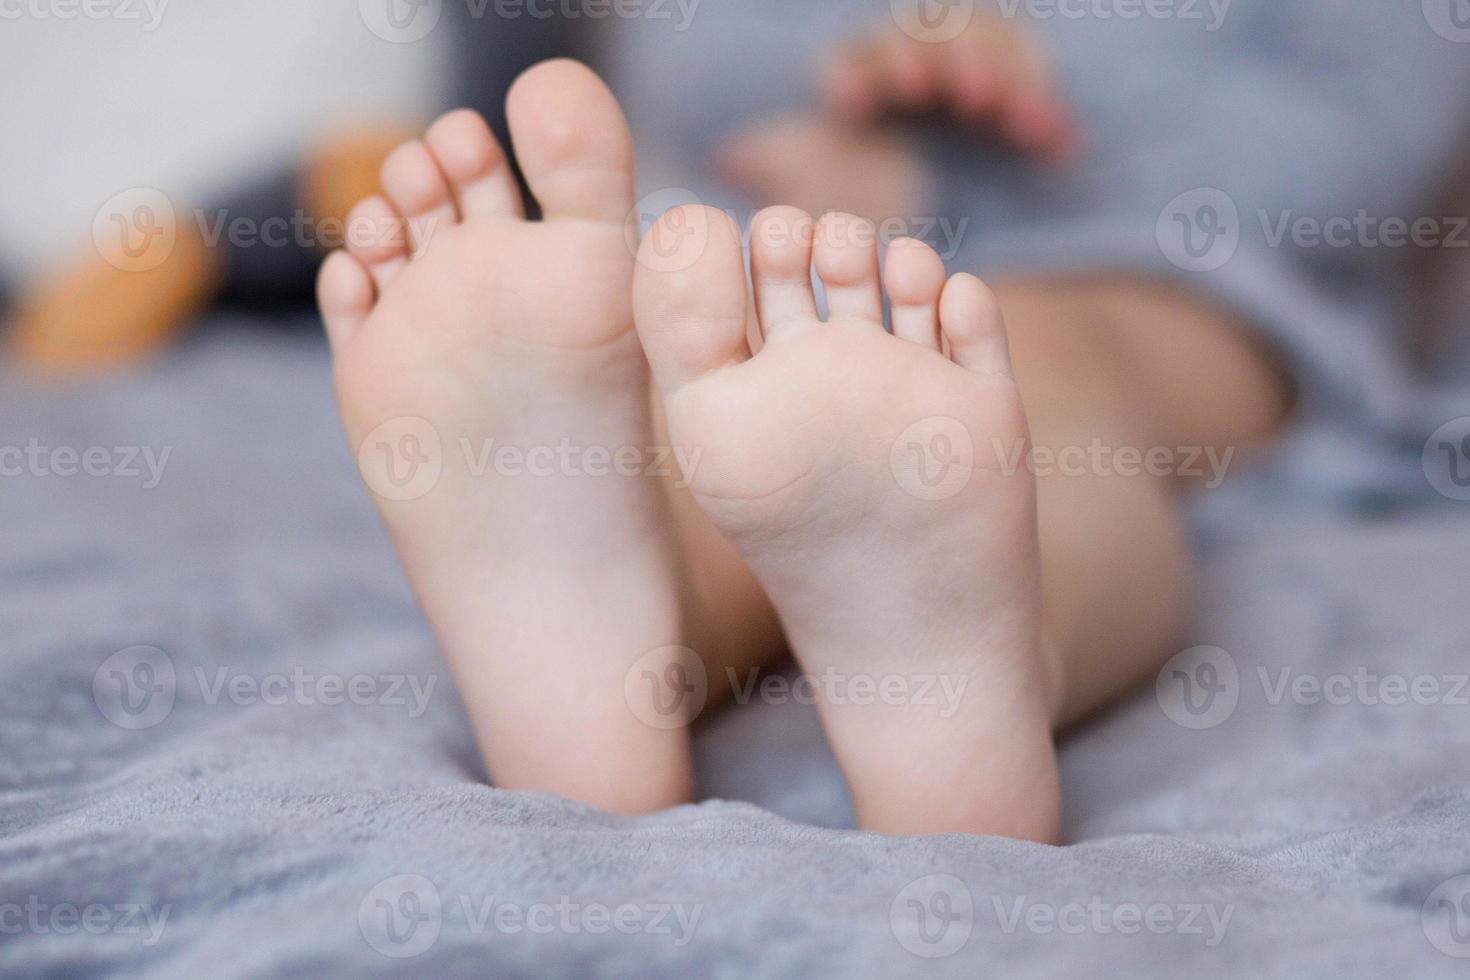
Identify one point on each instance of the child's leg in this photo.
(1136, 365)
(1132, 365)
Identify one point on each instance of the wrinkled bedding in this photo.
(227, 749)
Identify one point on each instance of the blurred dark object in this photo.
(99, 312)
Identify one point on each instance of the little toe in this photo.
(377, 238)
(781, 267)
(477, 168)
(344, 291)
(418, 189)
(689, 296)
(913, 275)
(846, 258)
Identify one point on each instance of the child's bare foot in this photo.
(489, 377)
(858, 473)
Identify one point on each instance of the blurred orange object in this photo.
(150, 273)
(107, 310)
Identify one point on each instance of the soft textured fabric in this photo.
(251, 831)
(1271, 154)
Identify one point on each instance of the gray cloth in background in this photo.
(1267, 111)
(271, 837)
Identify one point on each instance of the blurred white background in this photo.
(195, 101)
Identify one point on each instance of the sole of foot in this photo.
(490, 379)
(863, 476)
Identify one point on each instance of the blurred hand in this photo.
(994, 77)
(819, 164)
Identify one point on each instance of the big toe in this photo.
(689, 296)
(572, 142)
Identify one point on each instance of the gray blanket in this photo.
(227, 749)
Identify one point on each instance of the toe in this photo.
(376, 237)
(781, 267)
(689, 297)
(846, 258)
(973, 326)
(344, 291)
(417, 188)
(470, 157)
(572, 142)
(913, 274)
